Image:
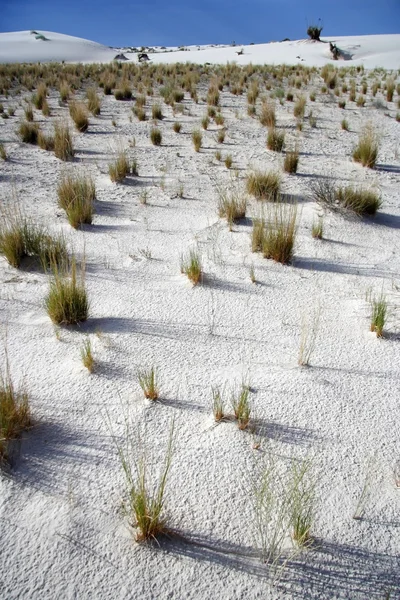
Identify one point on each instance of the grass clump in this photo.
(3, 152)
(20, 238)
(145, 505)
(344, 125)
(67, 302)
(366, 151)
(267, 115)
(191, 266)
(317, 229)
(379, 308)
(76, 194)
(79, 116)
(275, 139)
(156, 136)
(45, 141)
(94, 104)
(14, 413)
(291, 162)
(217, 404)
(280, 233)
(87, 356)
(302, 502)
(121, 168)
(197, 139)
(29, 132)
(228, 161)
(148, 382)
(232, 204)
(300, 107)
(264, 185)
(241, 407)
(156, 112)
(177, 127)
(358, 200)
(28, 111)
(63, 146)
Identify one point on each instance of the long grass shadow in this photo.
(287, 434)
(388, 168)
(387, 220)
(316, 264)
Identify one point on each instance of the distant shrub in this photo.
(232, 204)
(121, 168)
(28, 111)
(299, 107)
(390, 87)
(267, 115)
(291, 161)
(156, 112)
(94, 104)
(366, 151)
(344, 125)
(280, 232)
(177, 127)
(79, 116)
(314, 32)
(275, 139)
(3, 153)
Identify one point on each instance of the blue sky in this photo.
(175, 22)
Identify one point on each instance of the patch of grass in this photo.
(390, 87)
(275, 139)
(241, 407)
(218, 404)
(205, 122)
(342, 104)
(177, 127)
(63, 146)
(308, 336)
(317, 229)
(191, 266)
(67, 302)
(15, 414)
(221, 136)
(121, 168)
(291, 162)
(232, 204)
(300, 107)
(257, 235)
(197, 139)
(79, 116)
(156, 136)
(3, 152)
(379, 308)
(366, 152)
(219, 119)
(145, 506)
(87, 355)
(28, 111)
(228, 161)
(264, 185)
(45, 141)
(280, 232)
(20, 238)
(76, 194)
(28, 132)
(344, 125)
(268, 115)
(94, 103)
(156, 112)
(148, 382)
(358, 200)
(302, 502)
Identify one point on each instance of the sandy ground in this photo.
(63, 532)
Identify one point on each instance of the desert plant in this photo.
(360, 101)
(232, 204)
(3, 152)
(219, 119)
(275, 139)
(45, 141)
(65, 91)
(342, 104)
(28, 111)
(146, 501)
(280, 232)
(177, 127)
(300, 107)
(121, 168)
(79, 116)
(359, 200)
(379, 308)
(264, 185)
(156, 112)
(67, 302)
(317, 228)
(241, 406)
(29, 132)
(156, 136)
(257, 236)
(314, 31)
(148, 382)
(87, 355)
(221, 136)
(191, 266)
(94, 104)
(291, 162)
(20, 238)
(302, 502)
(366, 152)
(124, 92)
(197, 139)
(390, 87)
(63, 146)
(228, 161)
(14, 412)
(39, 98)
(267, 115)
(217, 404)
(205, 122)
(76, 194)
(344, 125)
(218, 155)
(308, 336)
(140, 113)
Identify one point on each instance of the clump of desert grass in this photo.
(317, 228)
(300, 107)
(87, 355)
(232, 204)
(121, 168)
(264, 185)
(367, 149)
(3, 152)
(63, 146)
(191, 266)
(76, 194)
(357, 200)
(15, 416)
(148, 382)
(177, 127)
(275, 139)
(279, 235)
(156, 111)
(67, 301)
(94, 104)
(156, 136)
(267, 115)
(291, 162)
(21, 238)
(79, 116)
(29, 132)
(45, 141)
(197, 139)
(123, 92)
(379, 309)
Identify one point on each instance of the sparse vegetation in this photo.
(275, 139)
(197, 139)
(379, 308)
(280, 232)
(29, 132)
(156, 136)
(79, 116)
(232, 204)
(291, 162)
(15, 414)
(121, 168)
(264, 185)
(63, 146)
(148, 382)
(366, 151)
(76, 194)
(67, 302)
(87, 355)
(191, 266)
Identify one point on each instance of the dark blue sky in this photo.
(175, 22)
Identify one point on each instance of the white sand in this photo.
(63, 534)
